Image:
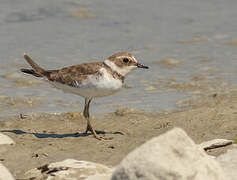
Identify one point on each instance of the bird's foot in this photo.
(99, 137)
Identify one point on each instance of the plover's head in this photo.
(123, 63)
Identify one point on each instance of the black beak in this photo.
(142, 66)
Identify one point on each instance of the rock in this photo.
(4, 139)
(228, 161)
(70, 169)
(215, 143)
(172, 155)
(5, 174)
(106, 176)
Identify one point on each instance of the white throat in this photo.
(123, 71)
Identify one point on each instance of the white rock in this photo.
(171, 156)
(106, 176)
(228, 161)
(4, 139)
(71, 169)
(5, 174)
(215, 143)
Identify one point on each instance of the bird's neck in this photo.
(110, 67)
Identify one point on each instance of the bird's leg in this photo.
(87, 116)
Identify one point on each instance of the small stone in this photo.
(111, 147)
(70, 169)
(4, 139)
(5, 174)
(215, 143)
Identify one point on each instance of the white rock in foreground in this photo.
(171, 156)
(215, 143)
(4, 139)
(106, 176)
(229, 163)
(5, 174)
(71, 169)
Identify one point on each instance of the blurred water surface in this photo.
(57, 33)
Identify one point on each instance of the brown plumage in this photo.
(69, 75)
(89, 80)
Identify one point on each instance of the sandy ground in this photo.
(45, 138)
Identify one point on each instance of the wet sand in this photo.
(45, 138)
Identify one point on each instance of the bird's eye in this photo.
(125, 60)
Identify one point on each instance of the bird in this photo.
(88, 80)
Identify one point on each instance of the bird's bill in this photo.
(142, 66)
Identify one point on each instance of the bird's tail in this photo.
(37, 71)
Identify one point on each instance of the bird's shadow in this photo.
(54, 135)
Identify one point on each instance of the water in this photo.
(152, 30)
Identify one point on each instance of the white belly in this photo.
(93, 86)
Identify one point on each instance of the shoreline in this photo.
(45, 138)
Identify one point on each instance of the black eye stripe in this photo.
(125, 60)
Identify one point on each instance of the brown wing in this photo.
(74, 75)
